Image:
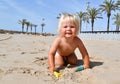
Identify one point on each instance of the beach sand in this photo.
(23, 60)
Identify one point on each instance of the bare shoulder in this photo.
(56, 41)
(54, 46)
(77, 39)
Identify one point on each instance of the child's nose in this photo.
(68, 28)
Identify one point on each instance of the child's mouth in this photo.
(68, 33)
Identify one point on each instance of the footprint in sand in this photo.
(41, 61)
(2, 72)
(2, 55)
(95, 58)
(24, 70)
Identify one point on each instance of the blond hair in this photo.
(69, 17)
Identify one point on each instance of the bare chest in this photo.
(66, 48)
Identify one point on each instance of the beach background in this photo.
(23, 60)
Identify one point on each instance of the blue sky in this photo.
(34, 10)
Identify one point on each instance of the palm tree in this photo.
(93, 14)
(86, 17)
(23, 21)
(27, 24)
(58, 16)
(31, 25)
(118, 2)
(82, 18)
(42, 24)
(107, 7)
(35, 28)
(117, 21)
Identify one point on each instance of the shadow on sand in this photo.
(80, 62)
(92, 64)
(95, 63)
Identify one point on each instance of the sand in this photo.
(23, 60)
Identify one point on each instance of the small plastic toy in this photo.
(80, 68)
(57, 74)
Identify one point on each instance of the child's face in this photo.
(68, 29)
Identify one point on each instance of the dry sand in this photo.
(23, 60)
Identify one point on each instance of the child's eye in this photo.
(65, 26)
(72, 26)
(69, 26)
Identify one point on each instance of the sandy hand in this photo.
(57, 74)
(80, 68)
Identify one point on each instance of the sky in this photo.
(11, 11)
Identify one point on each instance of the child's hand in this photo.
(57, 74)
(80, 68)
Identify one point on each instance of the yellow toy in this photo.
(57, 74)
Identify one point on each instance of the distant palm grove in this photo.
(24, 22)
(88, 16)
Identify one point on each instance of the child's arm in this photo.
(51, 55)
(84, 53)
(51, 62)
(86, 60)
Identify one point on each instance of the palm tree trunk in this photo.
(108, 22)
(35, 30)
(80, 26)
(92, 21)
(22, 29)
(42, 29)
(117, 28)
(27, 30)
(31, 29)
